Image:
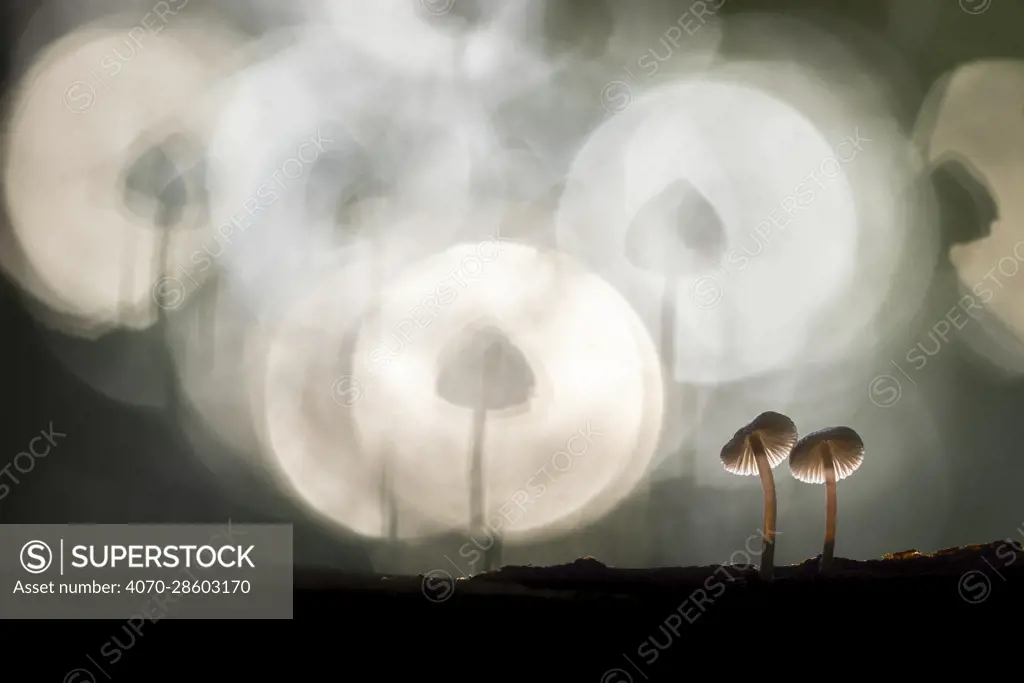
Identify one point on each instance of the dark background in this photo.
(125, 465)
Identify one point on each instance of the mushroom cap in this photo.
(807, 461)
(156, 188)
(776, 431)
(672, 228)
(486, 371)
(338, 184)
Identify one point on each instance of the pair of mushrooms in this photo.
(823, 457)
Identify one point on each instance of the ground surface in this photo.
(974, 574)
(583, 621)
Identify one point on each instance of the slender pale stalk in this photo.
(770, 508)
(830, 513)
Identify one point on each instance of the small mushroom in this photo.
(825, 457)
(756, 449)
(488, 373)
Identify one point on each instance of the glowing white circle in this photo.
(66, 160)
(305, 396)
(308, 434)
(593, 366)
(751, 156)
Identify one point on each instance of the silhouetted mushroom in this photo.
(677, 231)
(756, 449)
(157, 189)
(487, 373)
(675, 226)
(825, 457)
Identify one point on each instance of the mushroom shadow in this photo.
(485, 372)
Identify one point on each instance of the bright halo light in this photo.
(306, 398)
(596, 372)
(786, 212)
(90, 252)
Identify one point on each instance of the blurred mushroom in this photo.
(164, 186)
(675, 232)
(825, 457)
(341, 193)
(756, 449)
(488, 373)
(670, 230)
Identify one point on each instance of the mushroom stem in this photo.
(128, 274)
(830, 514)
(389, 506)
(770, 509)
(171, 376)
(668, 325)
(476, 476)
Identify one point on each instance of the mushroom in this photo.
(160, 187)
(337, 191)
(676, 231)
(669, 230)
(756, 449)
(488, 373)
(825, 457)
